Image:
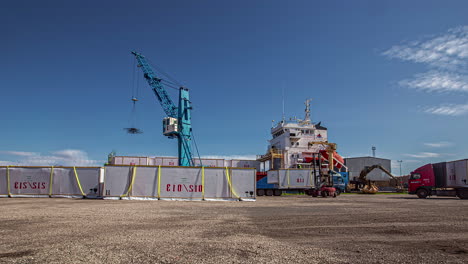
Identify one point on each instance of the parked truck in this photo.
(441, 179)
(275, 182)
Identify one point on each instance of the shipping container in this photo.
(3, 182)
(129, 182)
(192, 183)
(245, 164)
(292, 178)
(127, 160)
(440, 173)
(209, 162)
(50, 182)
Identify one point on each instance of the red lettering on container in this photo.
(184, 188)
(30, 185)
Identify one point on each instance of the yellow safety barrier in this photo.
(159, 182)
(78, 181)
(131, 183)
(203, 182)
(8, 181)
(228, 177)
(51, 180)
(287, 175)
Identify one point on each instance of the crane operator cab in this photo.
(170, 127)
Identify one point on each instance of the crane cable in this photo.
(196, 148)
(160, 70)
(135, 86)
(135, 91)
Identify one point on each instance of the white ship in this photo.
(290, 144)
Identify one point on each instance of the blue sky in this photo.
(392, 74)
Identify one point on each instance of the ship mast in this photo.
(307, 120)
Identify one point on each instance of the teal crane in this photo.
(177, 124)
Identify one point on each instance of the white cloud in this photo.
(441, 144)
(448, 110)
(19, 153)
(448, 50)
(424, 155)
(68, 157)
(436, 81)
(447, 55)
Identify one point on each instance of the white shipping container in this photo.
(245, 164)
(461, 170)
(457, 173)
(451, 176)
(126, 160)
(272, 177)
(173, 161)
(169, 161)
(178, 183)
(296, 179)
(292, 178)
(209, 162)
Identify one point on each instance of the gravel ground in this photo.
(291, 229)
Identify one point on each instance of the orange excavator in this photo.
(371, 188)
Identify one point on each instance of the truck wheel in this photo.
(422, 193)
(260, 192)
(324, 194)
(269, 192)
(462, 194)
(277, 193)
(314, 193)
(337, 192)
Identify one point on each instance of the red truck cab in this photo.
(421, 178)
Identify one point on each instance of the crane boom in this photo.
(368, 169)
(166, 102)
(178, 123)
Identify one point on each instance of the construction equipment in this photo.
(177, 124)
(331, 156)
(371, 188)
(325, 179)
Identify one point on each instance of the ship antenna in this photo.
(307, 111)
(283, 106)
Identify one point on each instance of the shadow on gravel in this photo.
(431, 198)
(16, 254)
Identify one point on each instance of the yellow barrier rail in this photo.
(228, 177)
(131, 183)
(51, 180)
(8, 181)
(78, 181)
(203, 182)
(159, 182)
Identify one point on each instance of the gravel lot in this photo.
(290, 229)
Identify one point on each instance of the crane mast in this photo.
(178, 123)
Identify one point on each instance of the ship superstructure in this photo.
(290, 146)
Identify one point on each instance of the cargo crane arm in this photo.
(179, 118)
(368, 169)
(166, 102)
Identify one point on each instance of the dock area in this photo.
(355, 228)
